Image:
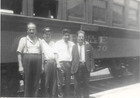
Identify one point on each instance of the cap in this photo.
(46, 29)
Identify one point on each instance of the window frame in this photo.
(11, 11)
(137, 14)
(122, 5)
(99, 21)
(78, 19)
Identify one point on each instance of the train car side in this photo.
(114, 48)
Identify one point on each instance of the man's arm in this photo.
(19, 56)
(42, 52)
(56, 48)
(43, 57)
(92, 58)
(56, 59)
(20, 49)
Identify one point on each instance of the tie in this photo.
(68, 48)
(80, 53)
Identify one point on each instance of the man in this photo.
(63, 56)
(30, 60)
(49, 64)
(82, 63)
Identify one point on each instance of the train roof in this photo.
(84, 26)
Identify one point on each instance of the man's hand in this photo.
(42, 69)
(21, 71)
(60, 68)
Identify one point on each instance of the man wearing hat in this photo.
(30, 60)
(63, 50)
(49, 64)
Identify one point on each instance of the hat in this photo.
(46, 29)
(65, 31)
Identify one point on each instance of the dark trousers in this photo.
(64, 76)
(32, 70)
(50, 78)
(82, 77)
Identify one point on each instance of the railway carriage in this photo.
(112, 27)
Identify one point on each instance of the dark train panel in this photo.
(14, 27)
(114, 48)
(110, 47)
(106, 43)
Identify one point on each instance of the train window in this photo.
(11, 6)
(133, 13)
(99, 10)
(118, 14)
(132, 17)
(133, 4)
(76, 9)
(46, 8)
(121, 2)
(99, 14)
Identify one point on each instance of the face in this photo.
(47, 36)
(81, 38)
(31, 30)
(66, 36)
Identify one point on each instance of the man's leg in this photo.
(26, 65)
(60, 76)
(47, 71)
(42, 85)
(67, 78)
(36, 73)
(85, 78)
(53, 79)
(32, 74)
(78, 83)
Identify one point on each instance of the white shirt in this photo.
(82, 54)
(64, 50)
(47, 50)
(26, 45)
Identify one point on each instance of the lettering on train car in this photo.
(98, 42)
(102, 43)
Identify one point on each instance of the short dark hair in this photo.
(65, 31)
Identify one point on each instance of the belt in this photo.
(82, 63)
(51, 60)
(65, 61)
(32, 54)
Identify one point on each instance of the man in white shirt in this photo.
(49, 64)
(30, 60)
(63, 50)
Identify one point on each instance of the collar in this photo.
(28, 38)
(46, 42)
(82, 44)
(64, 41)
(85, 43)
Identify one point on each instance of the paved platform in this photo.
(131, 91)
